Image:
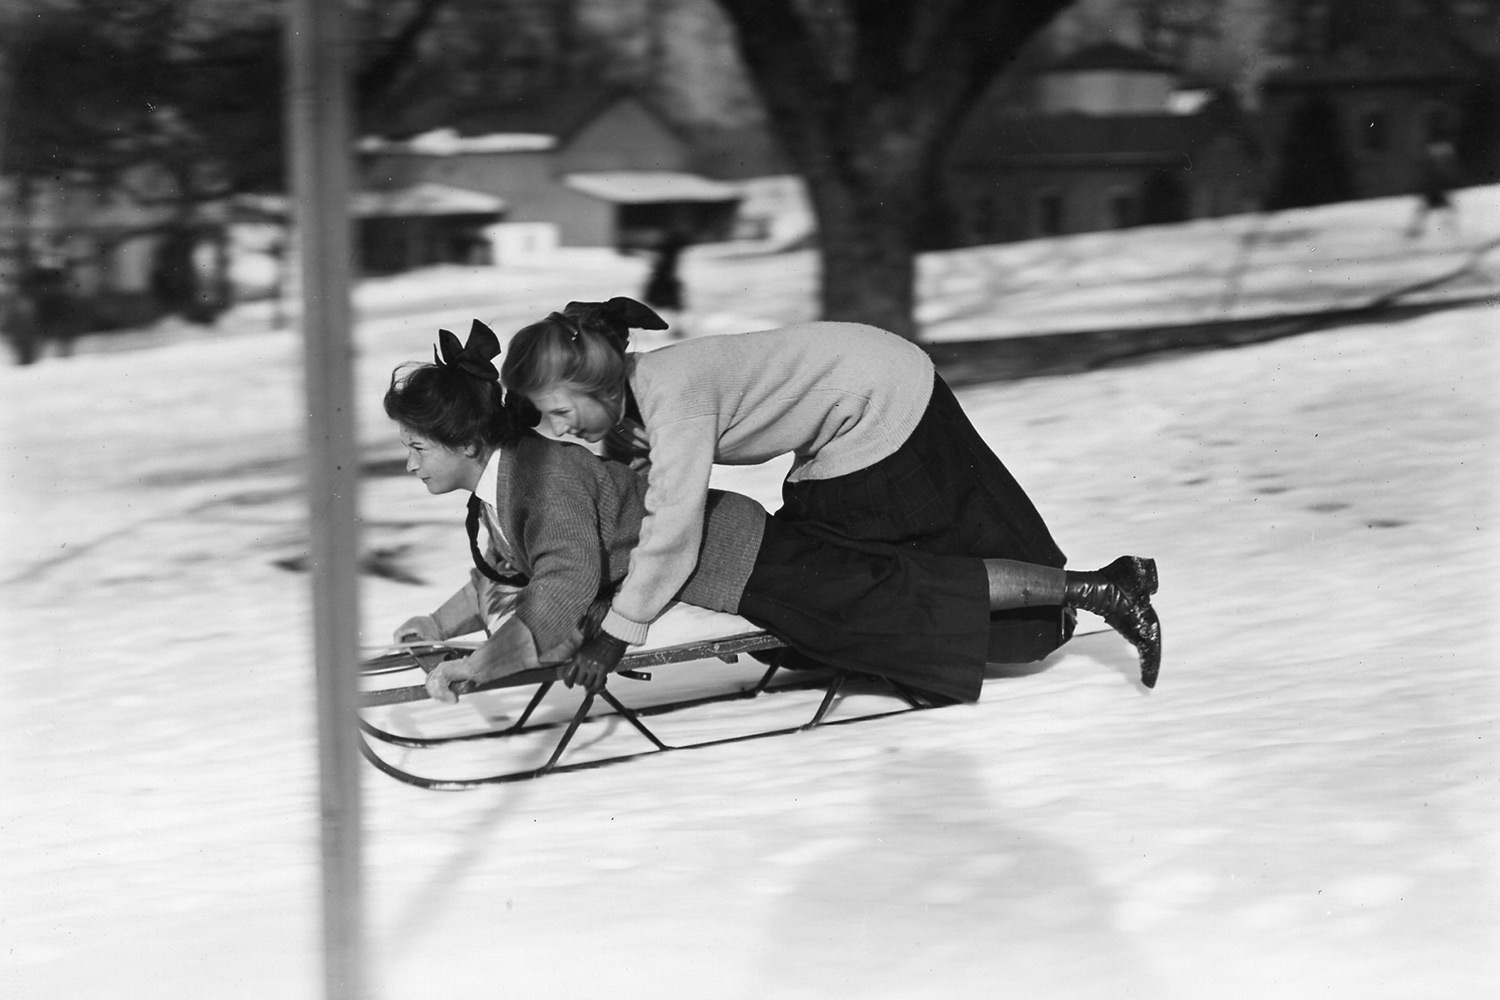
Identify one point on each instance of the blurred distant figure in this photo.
(54, 314)
(663, 291)
(18, 318)
(1438, 178)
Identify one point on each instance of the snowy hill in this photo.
(1306, 805)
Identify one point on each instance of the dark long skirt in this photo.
(879, 570)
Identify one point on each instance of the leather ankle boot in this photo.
(1120, 593)
(1135, 574)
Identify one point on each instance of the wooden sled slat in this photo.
(632, 665)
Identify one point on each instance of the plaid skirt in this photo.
(879, 570)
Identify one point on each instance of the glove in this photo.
(592, 664)
(422, 628)
(418, 629)
(445, 680)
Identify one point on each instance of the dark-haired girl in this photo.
(897, 518)
(561, 522)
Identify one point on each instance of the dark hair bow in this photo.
(473, 357)
(615, 318)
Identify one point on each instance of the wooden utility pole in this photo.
(321, 166)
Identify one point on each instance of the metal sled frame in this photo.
(633, 667)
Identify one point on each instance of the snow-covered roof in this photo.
(425, 199)
(644, 187)
(448, 142)
(1109, 56)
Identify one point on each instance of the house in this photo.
(398, 229)
(1369, 114)
(599, 167)
(1109, 138)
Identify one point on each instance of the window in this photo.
(1049, 213)
(986, 223)
(1120, 209)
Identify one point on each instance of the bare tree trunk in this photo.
(865, 97)
(866, 224)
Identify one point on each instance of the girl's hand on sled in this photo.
(422, 628)
(593, 663)
(445, 675)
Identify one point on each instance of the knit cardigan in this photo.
(571, 520)
(838, 396)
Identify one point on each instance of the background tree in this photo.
(170, 104)
(423, 59)
(158, 102)
(1173, 30)
(865, 96)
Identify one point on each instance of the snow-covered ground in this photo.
(1306, 806)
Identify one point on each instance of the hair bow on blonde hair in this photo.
(474, 356)
(615, 318)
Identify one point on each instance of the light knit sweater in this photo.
(838, 396)
(571, 519)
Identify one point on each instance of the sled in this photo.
(399, 720)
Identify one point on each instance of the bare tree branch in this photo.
(375, 80)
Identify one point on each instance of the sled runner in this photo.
(398, 717)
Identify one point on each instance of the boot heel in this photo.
(1148, 575)
(1134, 574)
